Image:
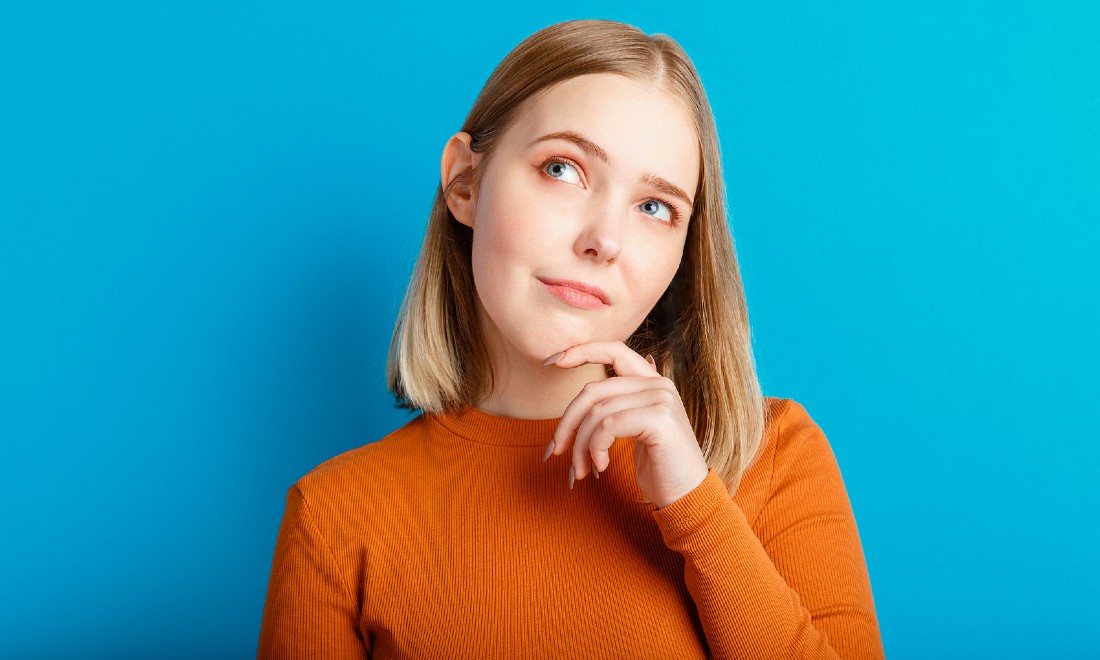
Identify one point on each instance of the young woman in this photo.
(577, 311)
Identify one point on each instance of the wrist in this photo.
(695, 483)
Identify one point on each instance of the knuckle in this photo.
(578, 451)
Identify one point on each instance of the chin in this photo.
(551, 341)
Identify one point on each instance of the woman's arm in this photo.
(794, 583)
(310, 611)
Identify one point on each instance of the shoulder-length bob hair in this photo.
(698, 332)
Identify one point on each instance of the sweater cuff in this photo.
(691, 512)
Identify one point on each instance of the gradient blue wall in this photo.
(209, 211)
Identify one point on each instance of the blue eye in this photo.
(564, 169)
(559, 169)
(653, 206)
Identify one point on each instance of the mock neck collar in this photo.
(479, 426)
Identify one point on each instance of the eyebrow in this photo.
(593, 149)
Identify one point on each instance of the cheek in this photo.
(653, 274)
(658, 260)
(500, 252)
(513, 228)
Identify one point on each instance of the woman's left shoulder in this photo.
(787, 421)
(796, 445)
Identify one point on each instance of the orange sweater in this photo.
(450, 538)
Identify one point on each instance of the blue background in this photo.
(209, 212)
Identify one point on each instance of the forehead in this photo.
(642, 128)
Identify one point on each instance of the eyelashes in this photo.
(675, 216)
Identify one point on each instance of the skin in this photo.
(555, 209)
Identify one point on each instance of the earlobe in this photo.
(458, 159)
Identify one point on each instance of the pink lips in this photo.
(576, 293)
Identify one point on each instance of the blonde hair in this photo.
(698, 332)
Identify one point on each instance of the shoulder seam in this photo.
(775, 454)
(324, 542)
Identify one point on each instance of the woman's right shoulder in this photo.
(377, 467)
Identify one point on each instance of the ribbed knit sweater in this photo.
(450, 538)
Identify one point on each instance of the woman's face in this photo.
(593, 184)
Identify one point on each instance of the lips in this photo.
(557, 285)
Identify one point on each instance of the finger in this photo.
(637, 423)
(592, 392)
(622, 359)
(586, 446)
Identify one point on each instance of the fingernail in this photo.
(649, 359)
(595, 471)
(553, 358)
(572, 476)
(549, 450)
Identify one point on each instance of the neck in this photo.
(532, 391)
(525, 389)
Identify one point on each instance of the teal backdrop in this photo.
(209, 212)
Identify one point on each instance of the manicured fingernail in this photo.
(553, 358)
(549, 450)
(595, 471)
(649, 359)
(572, 476)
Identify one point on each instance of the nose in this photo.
(600, 237)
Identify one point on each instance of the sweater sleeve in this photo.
(309, 611)
(797, 586)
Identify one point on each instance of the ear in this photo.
(459, 158)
